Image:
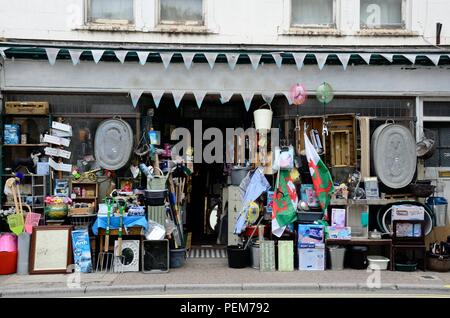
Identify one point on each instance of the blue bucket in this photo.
(177, 257)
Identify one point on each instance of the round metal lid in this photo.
(113, 144)
(394, 155)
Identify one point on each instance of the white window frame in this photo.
(89, 21)
(332, 25)
(199, 24)
(405, 18)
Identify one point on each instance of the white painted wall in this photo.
(227, 22)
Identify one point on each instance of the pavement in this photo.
(213, 277)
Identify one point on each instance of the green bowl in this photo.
(56, 212)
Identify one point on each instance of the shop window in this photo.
(381, 14)
(312, 13)
(441, 134)
(181, 12)
(436, 109)
(110, 11)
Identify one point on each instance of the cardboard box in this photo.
(408, 212)
(338, 217)
(310, 235)
(311, 259)
(339, 233)
(12, 134)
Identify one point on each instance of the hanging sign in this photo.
(55, 152)
(61, 126)
(57, 140)
(59, 166)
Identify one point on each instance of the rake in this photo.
(105, 258)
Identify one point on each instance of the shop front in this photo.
(89, 159)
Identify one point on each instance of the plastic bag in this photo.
(283, 158)
(155, 231)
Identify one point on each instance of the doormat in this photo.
(207, 252)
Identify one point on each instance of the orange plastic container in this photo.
(8, 263)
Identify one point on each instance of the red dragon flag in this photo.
(322, 181)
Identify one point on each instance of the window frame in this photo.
(402, 25)
(189, 23)
(332, 25)
(90, 21)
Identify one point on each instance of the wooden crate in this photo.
(27, 108)
(81, 211)
(340, 148)
(315, 122)
(337, 124)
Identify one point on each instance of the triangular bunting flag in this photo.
(211, 58)
(97, 55)
(2, 51)
(321, 59)
(268, 98)
(199, 96)
(135, 95)
(299, 59)
(254, 59)
(225, 96)
(365, 57)
(142, 57)
(177, 97)
(157, 95)
(434, 58)
(188, 58)
(166, 57)
(411, 57)
(75, 56)
(121, 55)
(278, 59)
(247, 97)
(389, 57)
(52, 53)
(344, 58)
(232, 59)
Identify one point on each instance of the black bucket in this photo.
(238, 257)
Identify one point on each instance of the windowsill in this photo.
(175, 28)
(386, 32)
(107, 27)
(308, 31)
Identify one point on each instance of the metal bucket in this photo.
(254, 255)
(23, 253)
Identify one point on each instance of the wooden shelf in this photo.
(85, 198)
(25, 145)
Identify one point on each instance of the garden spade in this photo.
(105, 258)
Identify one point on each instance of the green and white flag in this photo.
(322, 181)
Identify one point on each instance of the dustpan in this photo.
(32, 219)
(16, 223)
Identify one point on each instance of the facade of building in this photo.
(389, 59)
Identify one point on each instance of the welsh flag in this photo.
(323, 184)
(284, 203)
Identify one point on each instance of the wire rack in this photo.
(82, 221)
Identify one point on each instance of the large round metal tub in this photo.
(394, 155)
(113, 144)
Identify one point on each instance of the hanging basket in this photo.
(263, 118)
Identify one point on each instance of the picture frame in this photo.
(50, 249)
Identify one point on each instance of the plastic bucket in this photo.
(337, 257)
(237, 175)
(254, 248)
(8, 242)
(378, 262)
(177, 257)
(263, 119)
(238, 257)
(439, 205)
(8, 263)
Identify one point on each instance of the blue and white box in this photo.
(310, 235)
(311, 259)
(12, 134)
(82, 251)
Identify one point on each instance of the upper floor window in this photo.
(381, 14)
(110, 11)
(185, 12)
(312, 13)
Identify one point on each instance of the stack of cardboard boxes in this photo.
(311, 247)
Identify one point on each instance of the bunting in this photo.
(142, 57)
(121, 55)
(157, 95)
(299, 59)
(97, 55)
(166, 57)
(321, 59)
(188, 58)
(232, 59)
(75, 56)
(52, 53)
(135, 96)
(344, 58)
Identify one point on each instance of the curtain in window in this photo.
(111, 10)
(181, 10)
(381, 13)
(312, 12)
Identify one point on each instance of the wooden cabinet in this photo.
(231, 197)
(84, 192)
